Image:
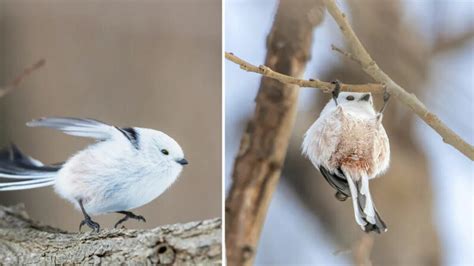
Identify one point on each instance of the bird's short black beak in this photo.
(365, 98)
(182, 161)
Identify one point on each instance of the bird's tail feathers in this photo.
(366, 214)
(28, 172)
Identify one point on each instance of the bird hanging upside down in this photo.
(349, 146)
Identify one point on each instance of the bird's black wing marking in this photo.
(13, 161)
(336, 182)
(131, 134)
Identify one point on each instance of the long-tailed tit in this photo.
(125, 169)
(349, 146)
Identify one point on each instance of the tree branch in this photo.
(361, 250)
(345, 53)
(17, 81)
(264, 143)
(23, 241)
(410, 100)
(326, 87)
(450, 43)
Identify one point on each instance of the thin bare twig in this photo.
(345, 53)
(17, 81)
(371, 68)
(311, 83)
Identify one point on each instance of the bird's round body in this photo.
(350, 136)
(349, 146)
(110, 176)
(350, 139)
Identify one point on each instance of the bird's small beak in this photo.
(182, 161)
(365, 98)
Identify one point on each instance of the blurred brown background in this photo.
(153, 64)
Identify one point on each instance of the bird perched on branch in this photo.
(349, 146)
(125, 169)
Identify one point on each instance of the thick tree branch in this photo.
(264, 144)
(372, 69)
(17, 81)
(23, 241)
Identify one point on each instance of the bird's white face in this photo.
(162, 148)
(355, 98)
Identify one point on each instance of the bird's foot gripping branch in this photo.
(24, 241)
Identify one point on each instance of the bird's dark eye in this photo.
(165, 151)
(365, 98)
(350, 98)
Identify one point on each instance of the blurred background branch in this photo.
(362, 249)
(23, 241)
(445, 43)
(4, 90)
(264, 143)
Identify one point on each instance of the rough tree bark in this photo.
(263, 146)
(23, 241)
(403, 195)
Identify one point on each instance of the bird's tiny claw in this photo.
(141, 218)
(129, 215)
(121, 221)
(386, 95)
(83, 222)
(93, 225)
(340, 196)
(337, 89)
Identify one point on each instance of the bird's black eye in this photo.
(365, 98)
(165, 151)
(350, 98)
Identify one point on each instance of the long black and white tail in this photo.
(366, 214)
(26, 172)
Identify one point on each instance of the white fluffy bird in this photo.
(125, 169)
(349, 145)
